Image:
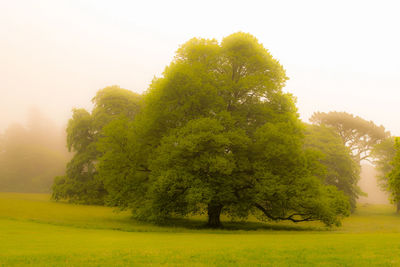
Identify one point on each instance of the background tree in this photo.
(217, 135)
(393, 176)
(80, 183)
(383, 155)
(356, 133)
(340, 168)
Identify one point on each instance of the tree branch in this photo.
(289, 218)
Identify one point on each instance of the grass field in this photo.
(36, 231)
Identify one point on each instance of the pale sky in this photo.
(339, 55)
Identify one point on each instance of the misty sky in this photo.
(339, 55)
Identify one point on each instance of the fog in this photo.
(368, 184)
(54, 55)
(31, 155)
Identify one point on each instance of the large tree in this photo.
(358, 134)
(217, 135)
(80, 183)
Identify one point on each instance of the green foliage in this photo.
(121, 166)
(80, 184)
(383, 154)
(356, 133)
(340, 169)
(216, 135)
(287, 188)
(393, 176)
(199, 166)
(31, 156)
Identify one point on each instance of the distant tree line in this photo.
(30, 156)
(216, 135)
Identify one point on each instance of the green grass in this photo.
(36, 231)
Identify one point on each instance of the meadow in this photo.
(35, 231)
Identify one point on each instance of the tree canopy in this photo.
(357, 134)
(216, 135)
(384, 154)
(392, 181)
(80, 183)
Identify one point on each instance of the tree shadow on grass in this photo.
(197, 224)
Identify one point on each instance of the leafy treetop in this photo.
(357, 134)
(216, 135)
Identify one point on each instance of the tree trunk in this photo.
(214, 212)
(398, 207)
